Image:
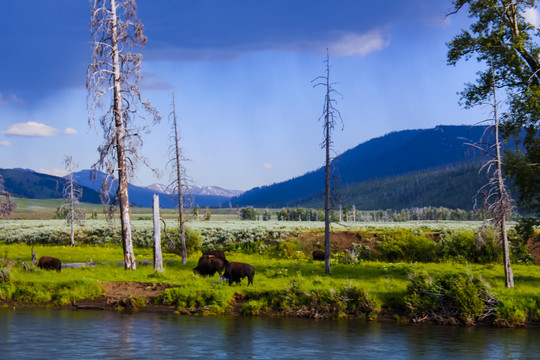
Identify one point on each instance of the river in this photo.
(65, 334)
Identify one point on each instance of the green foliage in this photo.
(134, 303)
(517, 69)
(276, 273)
(525, 227)
(510, 313)
(207, 214)
(4, 275)
(248, 213)
(290, 287)
(449, 189)
(193, 240)
(406, 246)
(195, 300)
(252, 307)
(450, 296)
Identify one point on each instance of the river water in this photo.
(65, 334)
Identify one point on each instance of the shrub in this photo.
(194, 300)
(4, 276)
(193, 240)
(252, 307)
(509, 314)
(406, 246)
(448, 298)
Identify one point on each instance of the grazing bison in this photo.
(236, 271)
(209, 265)
(318, 255)
(217, 253)
(49, 263)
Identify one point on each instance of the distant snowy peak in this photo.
(213, 190)
(160, 188)
(198, 190)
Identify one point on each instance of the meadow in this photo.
(415, 271)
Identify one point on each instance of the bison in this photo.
(236, 271)
(318, 255)
(49, 263)
(209, 265)
(217, 253)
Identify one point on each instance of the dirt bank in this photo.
(127, 295)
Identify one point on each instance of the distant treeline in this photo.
(347, 214)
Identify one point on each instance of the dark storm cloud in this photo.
(46, 44)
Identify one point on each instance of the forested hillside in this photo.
(453, 186)
(32, 185)
(398, 170)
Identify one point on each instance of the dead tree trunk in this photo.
(327, 169)
(7, 207)
(158, 259)
(115, 31)
(503, 198)
(178, 180)
(329, 115)
(71, 193)
(122, 192)
(497, 199)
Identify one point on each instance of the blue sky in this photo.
(241, 71)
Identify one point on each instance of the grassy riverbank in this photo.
(282, 286)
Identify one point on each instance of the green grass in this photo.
(290, 287)
(287, 281)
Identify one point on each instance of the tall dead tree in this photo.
(329, 116)
(112, 85)
(72, 193)
(178, 176)
(496, 196)
(7, 206)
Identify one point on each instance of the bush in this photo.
(449, 298)
(252, 307)
(406, 246)
(173, 239)
(4, 276)
(195, 300)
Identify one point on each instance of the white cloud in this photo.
(11, 98)
(70, 131)
(53, 172)
(30, 128)
(154, 82)
(267, 166)
(359, 44)
(4, 143)
(532, 16)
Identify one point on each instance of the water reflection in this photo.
(41, 334)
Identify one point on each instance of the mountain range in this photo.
(27, 183)
(403, 169)
(426, 164)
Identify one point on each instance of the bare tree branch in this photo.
(112, 78)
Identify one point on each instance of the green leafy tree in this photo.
(207, 214)
(502, 38)
(248, 213)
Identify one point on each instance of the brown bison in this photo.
(209, 265)
(49, 263)
(318, 255)
(217, 253)
(236, 271)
